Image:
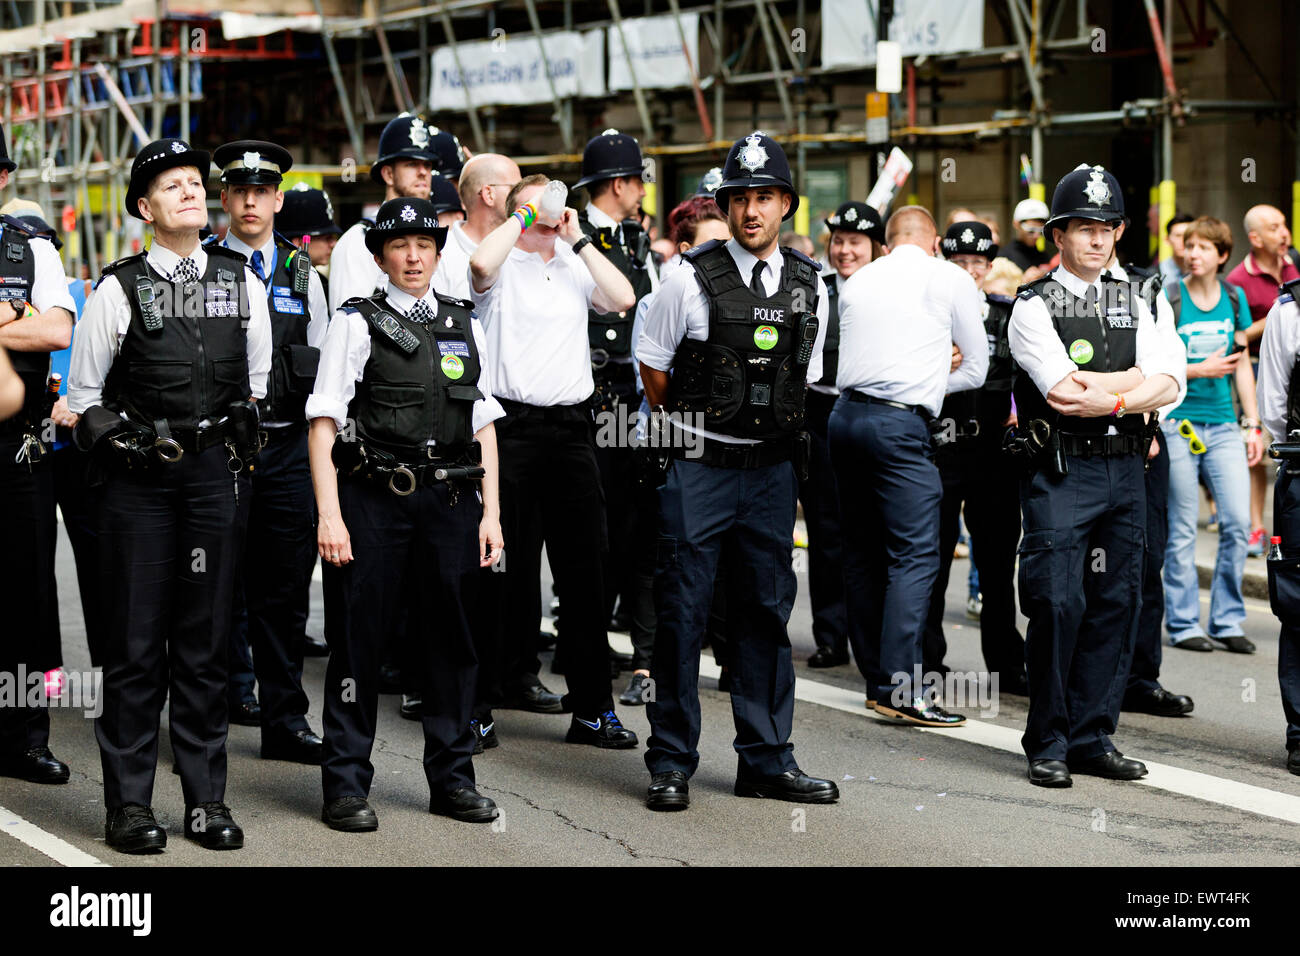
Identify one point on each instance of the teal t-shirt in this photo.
(1209, 400)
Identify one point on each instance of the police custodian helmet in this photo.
(1086, 192)
(405, 217)
(306, 212)
(611, 155)
(405, 137)
(755, 161)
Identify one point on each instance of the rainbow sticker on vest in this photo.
(452, 366)
(1080, 351)
(765, 337)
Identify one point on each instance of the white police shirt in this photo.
(1278, 352)
(535, 319)
(681, 311)
(353, 271)
(1039, 351)
(452, 275)
(346, 349)
(900, 316)
(107, 317)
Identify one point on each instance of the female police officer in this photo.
(403, 407)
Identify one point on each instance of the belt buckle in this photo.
(408, 475)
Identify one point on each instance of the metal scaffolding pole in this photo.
(641, 107)
(345, 105)
(464, 79)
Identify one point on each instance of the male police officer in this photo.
(612, 173)
(1092, 362)
(279, 556)
(977, 473)
(306, 218)
(727, 348)
(405, 167)
(36, 315)
(172, 345)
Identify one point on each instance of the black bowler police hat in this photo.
(755, 161)
(1086, 192)
(6, 163)
(969, 238)
(405, 217)
(444, 196)
(709, 182)
(158, 157)
(609, 156)
(451, 155)
(306, 212)
(856, 216)
(252, 162)
(405, 137)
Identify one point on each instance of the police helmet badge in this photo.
(712, 180)
(252, 160)
(1096, 190)
(419, 133)
(408, 214)
(753, 157)
(850, 214)
(967, 236)
(178, 147)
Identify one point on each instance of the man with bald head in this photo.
(1270, 262)
(485, 183)
(900, 316)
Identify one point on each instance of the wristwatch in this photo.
(578, 246)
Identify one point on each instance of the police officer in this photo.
(405, 167)
(612, 174)
(446, 200)
(857, 237)
(1092, 362)
(172, 346)
(279, 557)
(403, 409)
(36, 316)
(976, 473)
(450, 156)
(306, 218)
(727, 349)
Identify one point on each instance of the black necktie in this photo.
(420, 312)
(185, 272)
(756, 280)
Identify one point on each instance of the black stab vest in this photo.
(1101, 340)
(744, 378)
(407, 399)
(831, 345)
(17, 277)
(293, 361)
(990, 404)
(197, 363)
(612, 332)
(1291, 293)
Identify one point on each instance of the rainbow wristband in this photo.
(526, 215)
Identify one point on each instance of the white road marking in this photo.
(65, 854)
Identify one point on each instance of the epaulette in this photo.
(17, 225)
(1026, 292)
(118, 264)
(452, 300)
(999, 297)
(701, 249)
(1290, 291)
(220, 251)
(283, 242)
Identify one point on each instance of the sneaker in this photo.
(605, 731)
(485, 737)
(973, 607)
(1255, 545)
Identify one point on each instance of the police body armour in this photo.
(293, 361)
(17, 276)
(610, 334)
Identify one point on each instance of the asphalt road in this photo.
(908, 796)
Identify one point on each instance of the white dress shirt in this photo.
(353, 271)
(900, 316)
(681, 311)
(49, 285)
(346, 350)
(452, 275)
(535, 318)
(1038, 349)
(1278, 352)
(107, 317)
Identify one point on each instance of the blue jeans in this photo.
(1223, 467)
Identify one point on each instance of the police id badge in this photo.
(284, 302)
(1119, 317)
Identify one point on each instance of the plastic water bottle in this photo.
(1275, 548)
(554, 196)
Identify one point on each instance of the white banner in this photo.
(656, 50)
(508, 71)
(919, 26)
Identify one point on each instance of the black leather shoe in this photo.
(1158, 702)
(412, 707)
(634, 695)
(298, 746)
(390, 680)
(247, 714)
(825, 657)
(1195, 644)
(465, 804)
(793, 785)
(350, 815)
(1238, 644)
(1049, 773)
(315, 648)
(211, 826)
(1113, 766)
(133, 829)
(921, 713)
(605, 731)
(668, 791)
(1293, 761)
(535, 698)
(37, 765)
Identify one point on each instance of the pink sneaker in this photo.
(1255, 544)
(55, 681)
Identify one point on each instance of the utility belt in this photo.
(129, 445)
(29, 434)
(796, 448)
(615, 384)
(1037, 444)
(361, 460)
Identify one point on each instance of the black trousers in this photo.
(280, 552)
(169, 548)
(73, 494)
(977, 474)
(821, 513)
(551, 492)
(29, 637)
(618, 482)
(1144, 672)
(1284, 593)
(438, 541)
(1081, 588)
(643, 546)
(743, 518)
